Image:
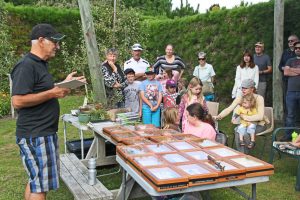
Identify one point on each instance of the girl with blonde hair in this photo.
(193, 95)
(171, 120)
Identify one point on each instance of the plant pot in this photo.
(84, 118)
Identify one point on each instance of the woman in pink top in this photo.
(196, 125)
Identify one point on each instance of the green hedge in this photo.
(222, 34)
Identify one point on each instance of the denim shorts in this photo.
(40, 157)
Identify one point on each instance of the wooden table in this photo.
(131, 177)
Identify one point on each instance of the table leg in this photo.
(124, 185)
(82, 146)
(254, 191)
(65, 136)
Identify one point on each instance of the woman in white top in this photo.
(205, 72)
(246, 70)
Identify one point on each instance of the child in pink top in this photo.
(196, 125)
(167, 75)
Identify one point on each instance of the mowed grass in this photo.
(13, 177)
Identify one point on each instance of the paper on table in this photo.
(224, 152)
(174, 158)
(72, 84)
(246, 162)
(193, 169)
(164, 173)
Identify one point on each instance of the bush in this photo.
(4, 104)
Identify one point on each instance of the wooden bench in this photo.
(75, 176)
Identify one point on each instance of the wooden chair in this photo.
(213, 109)
(291, 153)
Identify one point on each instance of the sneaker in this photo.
(242, 143)
(251, 145)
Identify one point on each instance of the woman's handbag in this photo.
(207, 88)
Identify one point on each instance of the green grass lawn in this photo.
(13, 177)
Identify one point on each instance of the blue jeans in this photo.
(150, 117)
(292, 106)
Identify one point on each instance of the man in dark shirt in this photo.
(35, 98)
(286, 55)
(292, 71)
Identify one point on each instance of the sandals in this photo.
(242, 143)
(251, 145)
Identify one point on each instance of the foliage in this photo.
(153, 7)
(186, 10)
(4, 104)
(223, 35)
(6, 62)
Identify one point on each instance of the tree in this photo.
(184, 10)
(153, 7)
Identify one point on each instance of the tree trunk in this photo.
(278, 49)
(92, 51)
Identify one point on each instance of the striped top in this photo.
(161, 63)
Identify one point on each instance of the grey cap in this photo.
(137, 47)
(201, 54)
(248, 83)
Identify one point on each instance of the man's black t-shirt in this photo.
(30, 76)
(293, 81)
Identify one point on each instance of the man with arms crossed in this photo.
(292, 70)
(138, 64)
(36, 99)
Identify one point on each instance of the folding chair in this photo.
(268, 112)
(291, 153)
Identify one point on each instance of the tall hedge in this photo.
(223, 35)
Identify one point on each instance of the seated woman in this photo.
(248, 87)
(198, 123)
(114, 79)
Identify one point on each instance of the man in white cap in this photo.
(138, 64)
(263, 62)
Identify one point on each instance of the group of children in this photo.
(164, 101)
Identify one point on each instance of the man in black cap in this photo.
(36, 99)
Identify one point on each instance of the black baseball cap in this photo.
(129, 70)
(45, 31)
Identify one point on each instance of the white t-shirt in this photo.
(204, 73)
(139, 66)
